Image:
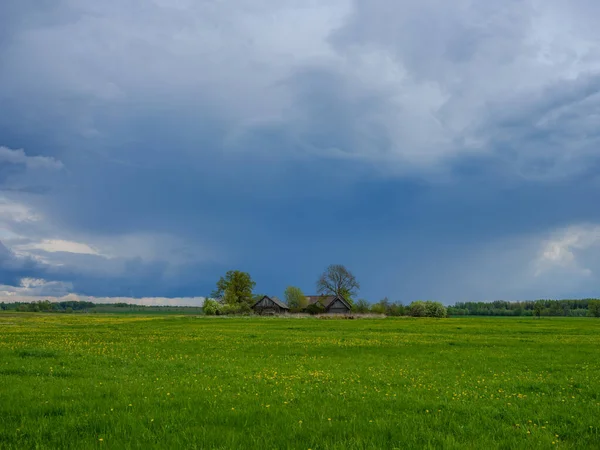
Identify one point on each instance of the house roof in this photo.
(279, 303)
(324, 300)
(274, 300)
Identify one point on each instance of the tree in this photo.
(396, 309)
(294, 297)
(594, 308)
(361, 306)
(378, 308)
(337, 280)
(235, 288)
(538, 307)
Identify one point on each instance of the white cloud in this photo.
(56, 245)
(8, 156)
(12, 212)
(569, 249)
(23, 173)
(36, 287)
(32, 290)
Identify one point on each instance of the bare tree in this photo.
(337, 280)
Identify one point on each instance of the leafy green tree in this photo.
(337, 280)
(396, 309)
(235, 288)
(378, 308)
(361, 306)
(294, 297)
(594, 308)
(538, 307)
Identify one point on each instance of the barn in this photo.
(270, 305)
(332, 304)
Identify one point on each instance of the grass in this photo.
(110, 381)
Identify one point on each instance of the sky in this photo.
(439, 150)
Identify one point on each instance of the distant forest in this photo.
(588, 307)
(567, 308)
(89, 307)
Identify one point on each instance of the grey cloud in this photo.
(226, 123)
(22, 173)
(8, 156)
(401, 84)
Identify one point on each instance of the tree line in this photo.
(48, 306)
(566, 308)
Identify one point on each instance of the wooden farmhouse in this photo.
(270, 305)
(332, 304)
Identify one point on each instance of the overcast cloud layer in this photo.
(441, 150)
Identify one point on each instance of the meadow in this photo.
(123, 381)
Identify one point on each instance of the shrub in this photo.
(427, 309)
(315, 308)
(435, 309)
(239, 308)
(417, 309)
(211, 307)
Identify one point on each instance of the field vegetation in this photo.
(126, 381)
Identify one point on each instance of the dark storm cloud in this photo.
(441, 151)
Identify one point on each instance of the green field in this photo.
(111, 381)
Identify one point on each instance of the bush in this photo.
(240, 308)
(211, 307)
(427, 309)
(315, 308)
(435, 309)
(417, 309)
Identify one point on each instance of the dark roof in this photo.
(274, 300)
(279, 302)
(324, 300)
